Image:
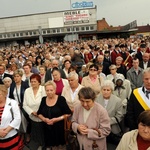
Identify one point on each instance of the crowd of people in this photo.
(92, 82)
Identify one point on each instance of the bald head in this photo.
(55, 63)
(146, 57)
(100, 58)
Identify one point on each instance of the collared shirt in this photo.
(145, 64)
(73, 94)
(1, 76)
(106, 102)
(148, 93)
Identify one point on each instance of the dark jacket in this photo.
(134, 109)
(24, 86)
(5, 75)
(48, 75)
(141, 64)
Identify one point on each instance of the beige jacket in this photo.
(128, 141)
(96, 86)
(98, 118)
(67, 94)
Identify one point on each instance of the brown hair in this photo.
(87, 93)
(144, 117)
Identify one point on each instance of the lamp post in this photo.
(71, 20)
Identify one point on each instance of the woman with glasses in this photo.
(93, 80)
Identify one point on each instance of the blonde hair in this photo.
(50, 82)
(3, 89)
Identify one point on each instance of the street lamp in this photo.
(71, 20)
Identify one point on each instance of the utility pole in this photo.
(72, 20)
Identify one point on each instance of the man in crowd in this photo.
(135, 75)
(3, 74)
(55, 63)
(139, 101)
(145, 63)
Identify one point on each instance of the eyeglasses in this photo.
(93, 69)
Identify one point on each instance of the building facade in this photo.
(51, 24)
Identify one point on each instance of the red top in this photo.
(142, 144)
(1, 112)
(59, 86)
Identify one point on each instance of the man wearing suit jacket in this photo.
(48, 75)
(141, 51)
(146, 62)
(3, 74)
(114, 54)
(139, 101)
(100, 60)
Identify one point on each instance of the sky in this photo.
(116, 12)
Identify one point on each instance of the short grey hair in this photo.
(7, 79)
(147, 70)
(73, 74)
(108, 83)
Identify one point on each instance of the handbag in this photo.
(115, 138)
(70, 137)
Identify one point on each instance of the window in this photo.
(34, 32)
(87, 28)
(91, 28)
(58, 30)
(30, 33)
(77, 28)
(54, 31)
(44, 31)
(68, 29)
(82, 28)
(21, 34)
(17, 34)
(48, 31)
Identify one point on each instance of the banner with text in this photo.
(76, 17)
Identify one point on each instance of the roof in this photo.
(144, 28)
(102, 25)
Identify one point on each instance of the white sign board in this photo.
(56, 22)
(76, 17)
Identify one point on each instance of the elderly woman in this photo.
(138, 139)
(10, 120)
(32, 100)
(111, 103)
(93, 80)
(113, 72)
(51, 111)
(7, 82)
(90, 121)
(60, 82)
(122, 89)
(70, 92)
